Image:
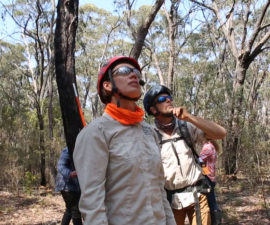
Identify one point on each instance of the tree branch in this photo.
(258, 49)
(204, 5)
(129, 8)
(247, 13)
(258, 26)
(228, 28)
(265, 26)
(143, 30)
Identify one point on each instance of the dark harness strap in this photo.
(182, 128)
(171, 140)
(183, 135)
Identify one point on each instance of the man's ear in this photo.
(153, 110)
(107, 86)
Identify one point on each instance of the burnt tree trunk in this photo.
(65, 32)
(40, 116)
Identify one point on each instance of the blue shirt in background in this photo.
(63, 180)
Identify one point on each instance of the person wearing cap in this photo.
(117, 156)
(183, 173)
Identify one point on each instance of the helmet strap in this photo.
(118, 102)
(114, 88)
(129, 98)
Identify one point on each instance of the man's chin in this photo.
(170, 114)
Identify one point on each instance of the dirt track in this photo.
(241, 204)
(34, 210)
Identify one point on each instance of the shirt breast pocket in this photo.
(124, 150)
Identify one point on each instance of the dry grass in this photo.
(241, 203)
(30, 210)
(244, 204)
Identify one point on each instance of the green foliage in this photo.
(204, 77)
(30, 182)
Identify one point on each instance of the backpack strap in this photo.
(183, 129)
(161, 142)
(171, 140)
(159, 136)
(183, 135)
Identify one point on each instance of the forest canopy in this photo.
(214, 55)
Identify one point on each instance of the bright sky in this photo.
(8, 28)
(109, 5)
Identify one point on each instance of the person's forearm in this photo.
(211, 129)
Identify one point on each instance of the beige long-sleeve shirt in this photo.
(121, 175)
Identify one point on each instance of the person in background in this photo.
(67, 184)
(117, 156)
(208, 155)
(183, 172)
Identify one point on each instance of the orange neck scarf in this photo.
(124, 116)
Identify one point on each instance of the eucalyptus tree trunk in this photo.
(40, 117)
(52, 158)
(37, 41)
(65, 32)
(245, 46)
(230, 160)
(172, 26)
(244, 56)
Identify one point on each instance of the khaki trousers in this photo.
(189, 211)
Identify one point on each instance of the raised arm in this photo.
(211, 129)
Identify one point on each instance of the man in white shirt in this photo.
(182, 173)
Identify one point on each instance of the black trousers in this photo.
(72, 209)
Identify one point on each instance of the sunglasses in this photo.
(161, 99)
(125, 70)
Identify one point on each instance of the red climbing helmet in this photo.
(104, 70)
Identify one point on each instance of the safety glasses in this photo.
(125, 70)
(161, 99)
